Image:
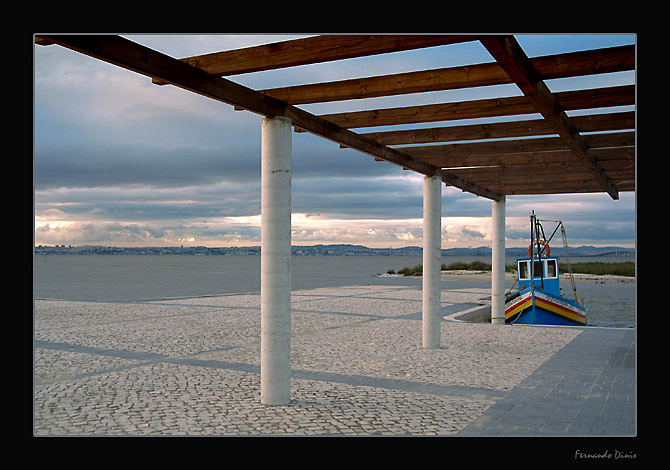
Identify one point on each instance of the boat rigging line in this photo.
(560, 225)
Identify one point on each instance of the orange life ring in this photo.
(547, 248)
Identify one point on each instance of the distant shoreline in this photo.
(325, 250)
(462, 275)
(582, 278)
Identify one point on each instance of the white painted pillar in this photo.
(432, 260)
(498, 262)
(276, 261)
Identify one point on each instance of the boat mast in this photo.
(578, 297)
(533, 241)
(535, 230)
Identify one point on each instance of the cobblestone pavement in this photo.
(192, 366)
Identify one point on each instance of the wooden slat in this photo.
(528, 128)
(431, 152)
(584, 186)
(512, 58)
(573, 64)
(313, 50)
(494, 107)
(549, 67)
(501, 147)
(604, 122)
(391, 85)
(626, 154)
(550, 172)
(551, 176)
(42, 41)
(460, 133)
(596, 98)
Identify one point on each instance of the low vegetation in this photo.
(597, 268)
(415, 271)
(458, 266)
(626, 268)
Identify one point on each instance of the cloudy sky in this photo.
(120, 161)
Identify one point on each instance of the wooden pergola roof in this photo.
(588, 152)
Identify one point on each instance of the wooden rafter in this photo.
(528, 128)
(549, 67)
(511, 57)
(312, 50)
(521, 160)
(492, 107)
(501, 147)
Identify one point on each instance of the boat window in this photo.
(523, 270)
(538, 269)
(552, 272)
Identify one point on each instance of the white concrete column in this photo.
(276, 261)
(432, 259)
(498, 262)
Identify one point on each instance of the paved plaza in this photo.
(191, 367)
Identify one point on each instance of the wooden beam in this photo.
(528, 128)
(42, 41)
(140, 59)
(587, 185)
(511, 57)
(554, 175)
(460, 133)
(453, 180)
(584, 186)
(312, 50)
(501, 147)
(391, 85)
(555, 66)
(603, 155)
(572, 64)
(493, 107)
(596, 98)
(559, 172)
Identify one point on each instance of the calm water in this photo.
(119, 277)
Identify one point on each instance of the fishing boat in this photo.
(539, 299)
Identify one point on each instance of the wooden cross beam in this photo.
(507, 52)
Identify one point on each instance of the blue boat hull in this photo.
(541, 308)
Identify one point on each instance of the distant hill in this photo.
(573, 251)
(325, 250)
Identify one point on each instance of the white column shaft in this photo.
(276, 261)
(432, 259)
(498, 262)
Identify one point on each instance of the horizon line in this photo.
(310, 246)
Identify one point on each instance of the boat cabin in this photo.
(544, 276)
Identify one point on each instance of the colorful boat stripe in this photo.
(560, 310)
(526, 301)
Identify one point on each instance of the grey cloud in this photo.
(90, 166)
(472, 233)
